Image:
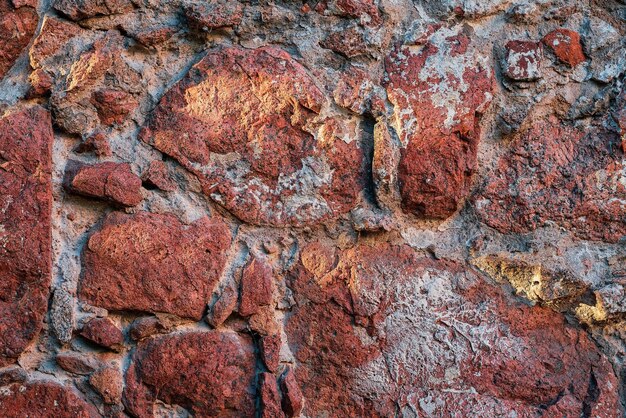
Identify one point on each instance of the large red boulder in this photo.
(154, 263)
(438, 90)
(388, 328)
(252, 133)
(208, 373)
(25, 236)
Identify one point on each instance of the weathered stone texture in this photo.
(248, 118)
(25, 234)
(165, 265)
(209, 373)
(18, 23)
(335, 208)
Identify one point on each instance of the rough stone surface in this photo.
(25, 233)
(103, 332)
(108, 181)
(151, 256)
(43, 399)
(208, 373)
(337, 208)
(255, 138)
(17, 25)
(437, 100)
(480, 352)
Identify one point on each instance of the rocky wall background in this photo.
(343, 208)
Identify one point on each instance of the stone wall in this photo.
(342, 208)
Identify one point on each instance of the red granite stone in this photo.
(256, 287)
(165, 265)
(270, 398)
(208, 373)
(392, 329)
(104, 333)
(523, 60)
(557, 173)
(157, 175)
(112, 182)
(25, 235)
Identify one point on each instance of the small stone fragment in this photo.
(76, 363)
(96, 143)
(350, 43)
(523, 60)
(270, 351)
(83, 9)
(145, 327)
(112, 105)
(112, 182)
(256, 287)
(223, 306)
(214, 14)
(107, 381)
(104, 333)
(157, 175)
(40, 83)
(566, 45)
(292, 402)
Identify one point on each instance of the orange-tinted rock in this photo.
(96, 143)
(270, 399)
(43, 399)
(17, 26)
(208, 373)
(523, 60)
(354, 90)
(83, 9)
(565, 44)
(438, 91)
(25, 237)
(112, 105)
(256, 287)
(103, 332)
(107, 381)
(557, 173)
(157, 175)
(391, 329)
(223, 306)
(250, 121)
(154, 263)
(113, 182)
(214, 14)
(54, 35)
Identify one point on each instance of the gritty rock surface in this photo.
(255, 138)
(152, 257)
(25, 232)
(182, 369)
(339, 208)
